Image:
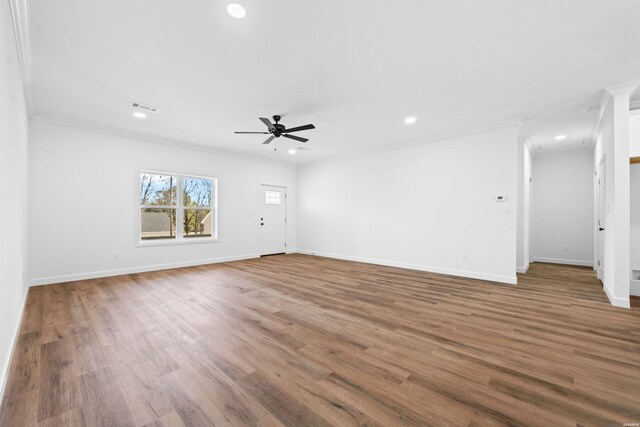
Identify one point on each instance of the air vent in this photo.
(143, 107)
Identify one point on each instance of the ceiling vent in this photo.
(143, 107)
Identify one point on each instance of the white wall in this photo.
(634, 133)
(83, 195)
(419, 207)
(13, 186)
(612, 144)
(563, 208)
(635, 223)
(634, 151)
(524, 207)
(528, 205)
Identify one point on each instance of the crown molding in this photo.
(563, 151)
(20, 18)
(625, 89)
(606, 102)
(148, 138)
(529, 144)
(469, 131)
(634, 105)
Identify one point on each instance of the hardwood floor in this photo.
(306, 341)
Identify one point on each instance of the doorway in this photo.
(602, 215)
(273, 220)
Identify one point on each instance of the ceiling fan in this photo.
(277, 130)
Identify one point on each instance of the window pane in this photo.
(157, 190)
(198, 223)
(272, 197)
(197, 192)
(157, 224)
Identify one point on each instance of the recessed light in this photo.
(410, 120)
(139, 115)
(292, 151)
(560, 137)
(236, 10)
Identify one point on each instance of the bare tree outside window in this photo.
(158, 203)
(197, 199)
(166, 199)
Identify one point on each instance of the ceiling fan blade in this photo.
(268, 141)
(268, 123)
(266, 133)
(297, 138)
(299, 128)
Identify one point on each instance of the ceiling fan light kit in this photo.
(276, 130)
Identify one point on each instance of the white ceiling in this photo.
(353, 68)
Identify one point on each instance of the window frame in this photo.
(179, 238)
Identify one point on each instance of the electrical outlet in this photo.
(116, 254)
(566, 247)
(465, 256)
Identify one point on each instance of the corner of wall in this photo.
(11, 351)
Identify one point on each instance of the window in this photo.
(177, 208)
(272, 198)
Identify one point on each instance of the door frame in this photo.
(600, 235)
(286, 221)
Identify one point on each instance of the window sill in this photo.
(189, 241)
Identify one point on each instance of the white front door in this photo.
(273, 220)
(602, 215)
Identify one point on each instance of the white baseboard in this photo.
(522, 270)
(7, 365)
(634, 288)
(121, 271)
(452, 272)
(615, 301)
(564, 261)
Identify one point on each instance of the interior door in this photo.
(602, 214)
(273, 219)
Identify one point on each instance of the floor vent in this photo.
(143, 107)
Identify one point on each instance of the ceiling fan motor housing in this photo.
(279, 129)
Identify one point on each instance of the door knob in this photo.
(600, 229)
(262, 223)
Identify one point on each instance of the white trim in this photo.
(565, 151)
(564, 261)
(634, 288)
(635, 112)
(617, 302)
(522, 270)
(623, 89)
(606, 101)
(121, 271)
(511, 280)
(166, 242)
(469, 131)
(11, 350)
(149, 138)
(22, 34)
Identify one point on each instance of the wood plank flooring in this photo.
(306, 341)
